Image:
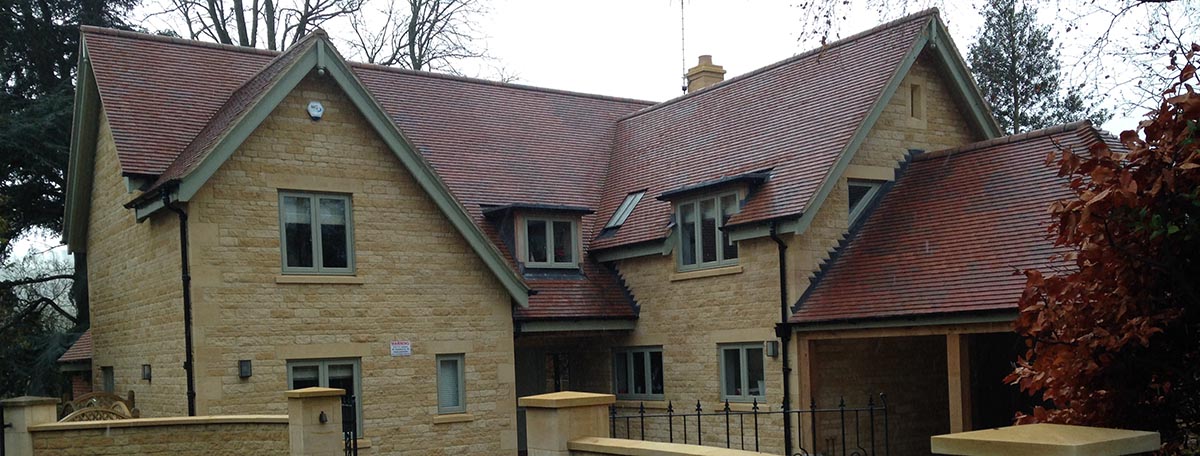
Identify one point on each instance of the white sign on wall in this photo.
(401, 348)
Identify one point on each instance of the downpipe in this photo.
(784, 332)
(186, 278)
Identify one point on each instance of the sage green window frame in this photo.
(872, 190)
(459, 359)
(622, 213)
(697, 232)
(323, 380)
(573, 263)
(317, 254)
(647, 370)
(108, 379)
(744, 372)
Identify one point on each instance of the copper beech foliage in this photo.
(1113, 332)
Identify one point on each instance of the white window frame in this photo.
(622, 213)
(314, 207)
(627, 353)
(695, 203)
(744, 372)
(573, 263)
(323, 380)
(857, 211)
(460, 360)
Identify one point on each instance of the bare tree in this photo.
(272, 24)
(1120, 45)
(427, 35)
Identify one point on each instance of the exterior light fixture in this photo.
(244, 368)
(323, 418)
(146, 372)
(772, 348)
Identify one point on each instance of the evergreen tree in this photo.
(1016, 65)
(39, 46)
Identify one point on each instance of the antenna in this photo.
(682, 47)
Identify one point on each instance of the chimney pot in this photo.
(704, 74)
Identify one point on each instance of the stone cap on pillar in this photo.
(314, 391)
(1045, 439)
(566, 399)
(25, 401)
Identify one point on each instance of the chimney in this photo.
(704, 74)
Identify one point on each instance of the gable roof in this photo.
(484, 143)
(801, 118)
(950, 235)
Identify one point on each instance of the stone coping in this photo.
(315, 391)
(566, 399)
(153, 422)
(24, 401)
(1046, 440)
(642, 448)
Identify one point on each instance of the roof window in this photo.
(626, 208)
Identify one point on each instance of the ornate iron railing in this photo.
(843, 430)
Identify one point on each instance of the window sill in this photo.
(363, 443)
(650, 404)
(319, 279)
(455, 418)
(702, 273)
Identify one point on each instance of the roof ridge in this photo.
(174, 40)
(929, 12)
(1063, 128)
(467, 79)
(249, 50)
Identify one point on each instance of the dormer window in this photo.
(551, 242)
(861, 195)
(702, 243)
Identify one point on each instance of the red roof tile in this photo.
(950, 233)
(81, 350)
(795, 117)
(492, 143)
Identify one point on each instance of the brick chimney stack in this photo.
(704, 74)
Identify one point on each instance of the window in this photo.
(109, 379)
(451, 384)
(638, 373)
(742, 376)
(550, 243)
(861, 195)
(317, 235)
(701, 243)
(332, 373)
(916, 102)
(626, 208)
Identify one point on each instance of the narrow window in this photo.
(916, 101)
(743, 377)
(550, 243)
(626, 208)
(861, 195)
(638, 373)
(702, 242)
(332, 373)
(316, 233)
(108, 378)
(451, 384)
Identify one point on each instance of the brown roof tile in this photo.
(950, 234)
(794, 117)
(81, 350)
(492, 143)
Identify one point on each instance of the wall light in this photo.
(772, 348)
(244, 368)
(146, 372)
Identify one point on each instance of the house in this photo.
(439, 246)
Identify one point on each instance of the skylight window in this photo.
(626, 208)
